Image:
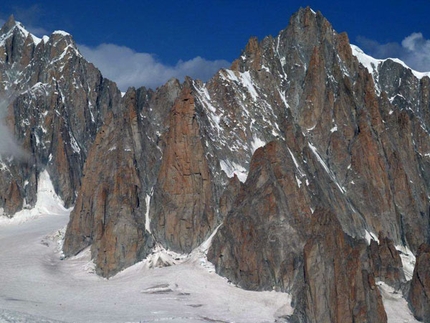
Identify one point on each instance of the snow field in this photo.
(38, 286)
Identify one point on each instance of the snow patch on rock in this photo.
(231, 168)
(372, 63)
(395, 305)
(408, 261)
(48, 202)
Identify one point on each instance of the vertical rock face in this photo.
(307, 83)
(182, 208)
(300, 150)
(260, 242)
(339, 156)
(110, 210)
(386, 262)
(419, 293)
(12, 199)
(339, 282)
(53, 102)
(229, 195)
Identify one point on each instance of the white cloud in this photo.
(414, 50)
(129, 68)
(8, 145)
(417, 51)
(37, 31)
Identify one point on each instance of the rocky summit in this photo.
(307, 164)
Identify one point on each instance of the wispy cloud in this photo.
(38, 31)
(129, 68)
(8, 144)
(414, 50)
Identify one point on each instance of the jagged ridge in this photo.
(321, 155)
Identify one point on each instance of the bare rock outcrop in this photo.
(419, 292)
(111, 214)
(272, 239)
(260, 243)
(110, 210)
(182, 208)
(339, 283)
(386, 262)
(53, 103)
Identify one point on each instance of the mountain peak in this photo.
(61, 32)
(307, 10)
(9, 25)
(12, 27)
(10, 22)
(328, 157)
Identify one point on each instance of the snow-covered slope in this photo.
(395, 305)
(36, 286)
(372, 64)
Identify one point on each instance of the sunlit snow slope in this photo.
(37, 285)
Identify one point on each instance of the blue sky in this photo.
(147, 42)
